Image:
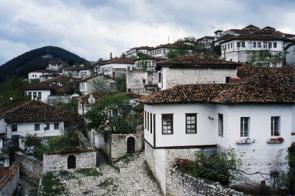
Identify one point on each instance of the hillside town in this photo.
(213, 115)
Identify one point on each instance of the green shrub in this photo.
(51, 185)
(89, 172)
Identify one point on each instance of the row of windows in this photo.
(191, 124)
(254, 45)
(35, 95)
(245, 126)
(37, 127)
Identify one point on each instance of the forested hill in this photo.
(38, 59)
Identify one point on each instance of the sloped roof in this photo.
(118, 60)
(197, 61)
(274, 86)
(32, 111)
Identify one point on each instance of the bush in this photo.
(215, 168)
(51, 185)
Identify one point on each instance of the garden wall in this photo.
(9, 179)
(183, 184)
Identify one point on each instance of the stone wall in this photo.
(29, 165)
(9, 179)
(56, 162)
(118, 147)
(160, 161)
(137, 79)
(185, 185)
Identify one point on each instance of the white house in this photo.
(255, 117)
(115, 66)
(251, 44)
(38, 74)
(195, 69)
(87, 85)
(33, 118)
(133, 52)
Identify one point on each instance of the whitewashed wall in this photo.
(109, 68)
(44, 94)
(173, 76)
(34, 75)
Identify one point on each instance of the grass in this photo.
(51, 185)
(88, 172)
(106, 183)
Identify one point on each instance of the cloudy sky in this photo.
(94, 28)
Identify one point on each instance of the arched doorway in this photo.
(71, 162)
(130, 145)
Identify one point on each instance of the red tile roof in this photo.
(197, 61)
(274, 86)
(33, 111)
(118, 60)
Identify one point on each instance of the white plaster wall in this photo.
(206, 128)
(108, 69)
(173, 76)
(29, 128)
(44, 94)
(290, 56)
(84, 73)
(34, 75)
(134, 80)
(2, 126)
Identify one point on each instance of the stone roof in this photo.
(32, 111)
(197, 61)
(118, 60)
(276, 86)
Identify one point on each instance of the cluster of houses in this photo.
(192, 103)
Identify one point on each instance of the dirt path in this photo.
(132, 179)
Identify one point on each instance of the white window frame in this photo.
(273, 126)
(243, 127)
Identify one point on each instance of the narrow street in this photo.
(132, 179)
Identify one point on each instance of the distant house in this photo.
(255, 117)
(141, 82)
(85, 102)
(207, 41)
(252, 44)
(81, 71)
(134, 52)
(38, 74)
(115, 66)
(33, 118)
(87, 85)
(195, 69)
(162, 51)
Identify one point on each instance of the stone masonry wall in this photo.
(185, 185)
(191, 76)
(29, 165)
(9, 180)
(119, 144)
(56, 162)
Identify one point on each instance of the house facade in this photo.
(87, 85)
(195, 69)
(246, 117)
(33, 118)
(115, 66)
(141, 82)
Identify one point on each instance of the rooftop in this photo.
(274, 86)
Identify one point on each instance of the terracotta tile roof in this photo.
(197, 61)
(188, 93)
(118, 60)
(274, 86)
(33, 111)
(56, 89)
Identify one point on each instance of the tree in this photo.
(100, 85)
(121, 83)
(112, 113)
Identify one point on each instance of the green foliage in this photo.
(121, 82)
(173, 53)
(106, 183)
(51, 185)
(291, 173)
(216, 168)
(89, 172)
(12, 91)
(100, 85)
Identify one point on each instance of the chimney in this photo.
(111, 55)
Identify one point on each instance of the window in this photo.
(30, 94)
(37, 127)
(145, 119)
(143, 81)
(191, 123)
(275, 44)
(227, 79)
(243, 44)
(244, 132)
(151, 123)
(34, 95)
(220, 125)
(160, 77)
(14, 128)
(56, 126)
(167, 123)
(269, 45)
(231, 45)
(47, 127)
(154, 119)
(254, 44)
(39, 95)
(148, 120)
(238, 44)
(275, 126)
(259, 44)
